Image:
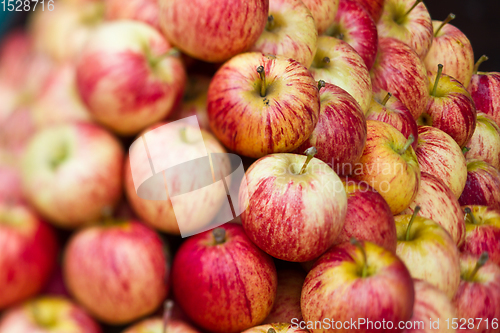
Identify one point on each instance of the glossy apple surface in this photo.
(156, 325)
(485, 91)
(482, 186)
(374, 7)
(485, 142)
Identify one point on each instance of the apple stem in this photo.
(219, 235)
(468, 212)
(407, 145)
(270, 23)
(480, 263)
(340, 36)
(321, 84)
(310, 152)
(479, 62)
(355, 242)
(386, 99)
(400, 20)
(415, 213)
(167, 314)
(156, 60)
(263, 86)
(60, 155)
(438, 77)
(445, 22)
(465, 150)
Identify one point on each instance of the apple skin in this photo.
(485, 235)
(485, 142)
(117, 292)
(395, 176)
(16, 50)
(373, 7)
(278, 328)
(287, 303)
(279, 122)
(59, 314)
(358, 30)
(439, 155)
(430, 253)
(335, 289)
(345, 69)
(156, 325)
(323, 12)
(291, 216)
(453, 50)
(399, 70)
(294, 34)
(479, 298)
(226, 287)
(482, 186)
(438, 203)
(430, 302)
(10, 178)
(140, 10)
(150, 83)
(29, 253)
(368, 217)
(452, 110)
(393, 113)
(194, 27)
(485, 91)
(340, 134)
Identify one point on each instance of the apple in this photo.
(374, 7)
(295, 206)
(348, 280)
(355, 26)
(485, 91)
(485, 142)
(336, 62)
(340, 134)
(368, 217)
(439, 155)
(223, 281)
(399, 70)
(71, 172)
(428, 251)
(323, 12)
(453, 49)
(128, 76)
(482, 186)
(140, 10)
(389, 165)
(197, 30)
(440, 205)
(16, 50)
(450, 108)
(290, 32)
(277, 97)
(482, 225)
(287, 303)
(10, 178)
(408, 21)
(16, 131)
(48, 314)
(388, 109)
(276, 328)
(478, 297)
(29, 253)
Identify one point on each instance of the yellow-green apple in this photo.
(387, 108)
(438, 154)
(79, 168)
(373, 7)
(340, 134)
(449, 108)
(290, 32)
(348, 280)
(355, 26)
(389, 165)
(128, 77)
(482, 186)
(485, 91)
(287, 303)
(485, 142)
(440, 205)
(368, 217)
(431, 305)
(336, 62)
(200, 29)
(428, 251)
(408, 21)
(139, 10)
(29, 253)
(277, 97)
(323, 12)
(118, 271)
(453, 49)
(399, 70)
(478, 297)
(223, 281)
(183, 143)
(276, 328)
(157, 325)
(482, 225)
(48, 315)
(295, 206)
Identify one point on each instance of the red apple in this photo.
(482, 186)
(485, 142)
(16, 50)
(140, 10)
(278, 328)
(223, 281)
(10, 178)
(197, 28)
(323, 12)
(154, 325)
(374, 7)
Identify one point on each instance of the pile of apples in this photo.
(371, 144)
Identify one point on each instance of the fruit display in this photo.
(247, 166)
